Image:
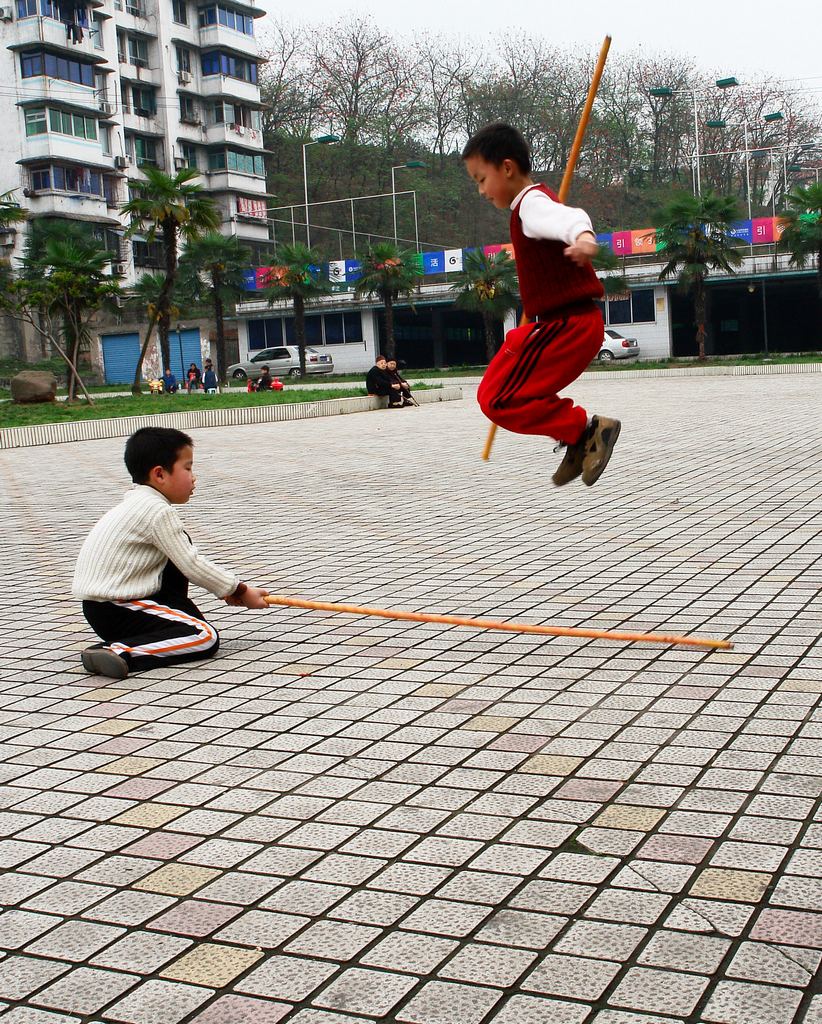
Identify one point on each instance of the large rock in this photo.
(34, 386)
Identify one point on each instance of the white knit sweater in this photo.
(124, 556)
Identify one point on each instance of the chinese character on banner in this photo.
(622, 243)
(250, 280)
(743, 230)
(336, 270)
(643, 240)
(604, 239)
(490, 250)
(779, 226)
(453, 260)
(353, 270)
(762, 230)
(433, 262)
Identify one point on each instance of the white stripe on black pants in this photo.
(163, 629)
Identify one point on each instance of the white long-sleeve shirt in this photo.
(541, 217)
(124, 556)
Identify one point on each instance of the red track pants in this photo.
(519, 389)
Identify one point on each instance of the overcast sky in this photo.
(735, 37)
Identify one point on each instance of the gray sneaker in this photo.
(599, 444)
(102, 661)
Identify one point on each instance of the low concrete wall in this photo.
(91, 430)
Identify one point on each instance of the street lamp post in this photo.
(769, 118)
(323, 140)
(666, 92)
(398, 167)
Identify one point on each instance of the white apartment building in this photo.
(93, 91)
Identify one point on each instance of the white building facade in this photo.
(98, 90)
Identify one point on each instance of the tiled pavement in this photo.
(342, 819)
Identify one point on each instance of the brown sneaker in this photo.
(571, 466)
(101, 661)
(599, 443)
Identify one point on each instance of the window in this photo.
(189, 154)
(135, 8)
(40, 178)
(353, 327)
(96, 32)
(216, 63)
(64, 123)
(183, 59)
(64, 178)
(179, 11)
(636, 307)
(228, 18)
(34, 63)
(137, 52)
(26, 8)
(188, 109)
(147, 254)
(334, 334)
(232, 160)
(36, 121)
(105, 140)
(144, 101)
(145, 151)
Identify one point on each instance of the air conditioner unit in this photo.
(179, 162)
(121, 162)
(7, 237)
(143, 112)
(184, 77)
(6, 13)
(105, 106)
(119, 269)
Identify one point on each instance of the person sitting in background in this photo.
(397, 378)
(265, 382)
(193, 378)
(379, 382)
(170, 382)
(209, 378)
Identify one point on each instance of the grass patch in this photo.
(144, 405)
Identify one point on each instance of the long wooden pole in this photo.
(567, 177)
(508, 627)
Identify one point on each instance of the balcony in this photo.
(40, 31)
(139, 73)
(213, 86)
(233, 181)
(142, 123)
(227, 39)
(68, 205)
(54, 146)
(235, 135)
(42, 90)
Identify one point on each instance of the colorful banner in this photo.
(453, 260)
(251, 207)
(760, 231)
(433, 263)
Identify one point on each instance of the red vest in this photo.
(548, 280)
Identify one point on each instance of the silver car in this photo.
(614, 346)
(282, 362)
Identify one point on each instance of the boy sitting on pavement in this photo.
(553, 246)
(134, 567)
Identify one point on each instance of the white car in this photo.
(282, 362)
(614, 346)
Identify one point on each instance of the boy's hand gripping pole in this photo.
(565, 187)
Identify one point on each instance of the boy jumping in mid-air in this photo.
(134, 567)
(553, 246)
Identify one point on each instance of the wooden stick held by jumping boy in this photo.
(553, 246)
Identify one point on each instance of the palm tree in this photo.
(211, 270)
(296, 276)
(10, 213)
(803, 228)
(389, 272)
(146, 296)
(169, 208)
(65, 274)
(487, 285)
(695, 236)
